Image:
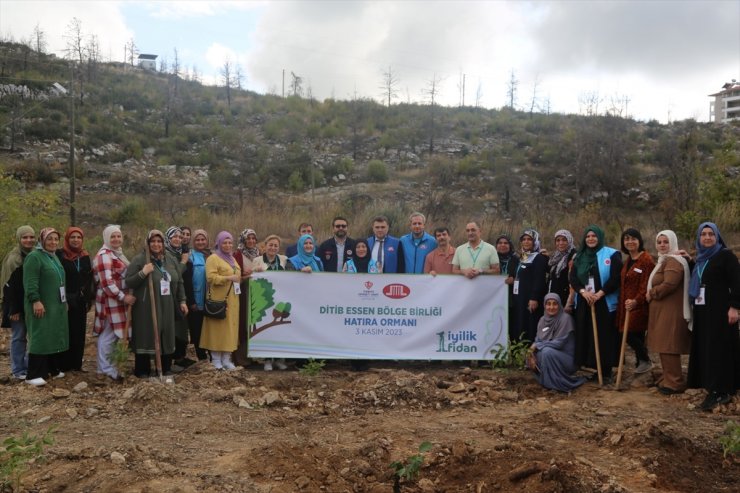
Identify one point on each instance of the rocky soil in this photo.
(253, 431)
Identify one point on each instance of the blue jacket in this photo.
(415, 251)
(393, 262)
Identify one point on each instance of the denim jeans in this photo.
(18, 353)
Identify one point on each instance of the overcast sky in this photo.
(660, 59)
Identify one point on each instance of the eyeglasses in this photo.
(340, 226)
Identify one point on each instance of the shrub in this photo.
(377, 171)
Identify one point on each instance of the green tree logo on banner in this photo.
(261, 298)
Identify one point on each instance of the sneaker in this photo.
(714, 399)
(268, 366)
(668, 390)
(228, 365)
(58, 375)
(644, 367)
(36, 382)
(20, 376)
(217, 365)
(281, 364)
(175, 368)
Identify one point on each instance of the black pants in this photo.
(143, 364)
(636, 340)
(195, 324)
(72, 359)
(43, 365)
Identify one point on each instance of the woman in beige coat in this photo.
(221, 336)
(670, 312)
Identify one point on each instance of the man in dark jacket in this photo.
(335, 251)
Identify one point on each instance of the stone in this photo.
(60, 393)
(71, 412)
(43, 419)
(117, 458)
(457, 388)
(270, 398)
(80, 387)
(128, 393)
(615, 438)
(244, 404)
(302, 482)
(426, 485)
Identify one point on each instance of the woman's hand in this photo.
(247, 272)
(509, 280)
(38, 309)
(184, 308)
(306, 269)
(184, 257)
(532, 306)
(15, 317)
(147, 269)
(630, 305)
(732, 316)
(234, 278)
(129, 299)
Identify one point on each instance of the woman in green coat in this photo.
(169, 292)
(46, 309)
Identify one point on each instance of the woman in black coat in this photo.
(80, 291)
(714, 291)
(529, 287)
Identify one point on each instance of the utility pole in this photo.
(463, 91)
(283, 83)
(72, 211)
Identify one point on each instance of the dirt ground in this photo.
(253, 431)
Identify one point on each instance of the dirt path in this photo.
(252, 431)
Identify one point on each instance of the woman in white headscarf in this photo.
(111, 299)
(670, 312)
(529, 287)
(551, 356)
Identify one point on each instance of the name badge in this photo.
(700, 300)
(591, 286)
(545, 329)
(639, 271)
(516, 287)
(62, 294)
(237, 288)
(164, 287)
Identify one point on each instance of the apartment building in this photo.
(726, 105)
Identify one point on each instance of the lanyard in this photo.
(165, 274)
(57, 268)
(701, 269)
(475, 257)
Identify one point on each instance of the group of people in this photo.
(562, 302)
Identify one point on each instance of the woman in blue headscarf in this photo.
(305, 260)
(714, 291)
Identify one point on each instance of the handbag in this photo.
(216, 309)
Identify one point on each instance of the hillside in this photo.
(160, 145)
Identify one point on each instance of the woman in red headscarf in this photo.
(80, 290)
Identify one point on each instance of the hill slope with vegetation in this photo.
(159, 147)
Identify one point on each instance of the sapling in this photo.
(408, 469)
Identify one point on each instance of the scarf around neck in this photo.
(555, 326)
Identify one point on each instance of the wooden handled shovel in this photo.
(155, 324)
(596, 344)
(624, 344)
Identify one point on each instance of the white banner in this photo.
(376, 316)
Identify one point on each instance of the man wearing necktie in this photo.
(385, 249)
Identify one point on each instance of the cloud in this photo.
(104, 20)
(173, 10)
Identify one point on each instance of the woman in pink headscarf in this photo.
(221, 336)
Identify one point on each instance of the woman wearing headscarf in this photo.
(173, 244)
(111, 298)
(714, 290)
(221, 336)
(559, 268)
(670, 312)
(195, 288)
(45, 309)
(551, 354)
(12, 297)
(632, 296)
(305, 260)
(167, 293)
(595, 279)
(80, 294)
(529, 287)
(246, 253)
(361, 262)
(187, 235)
(509, 261)
(271, 259)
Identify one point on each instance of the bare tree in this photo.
(39, 40)
(227, 78)
(75, 41)
(296, 84)
(238, 77)
(92, 48)
(461, 89)
(511, 89)
(389, 85)
(479, 94)
(163, 65)
(131, 51)
(533, 102)
(176, 70)
(194, 74)
(431, 92)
